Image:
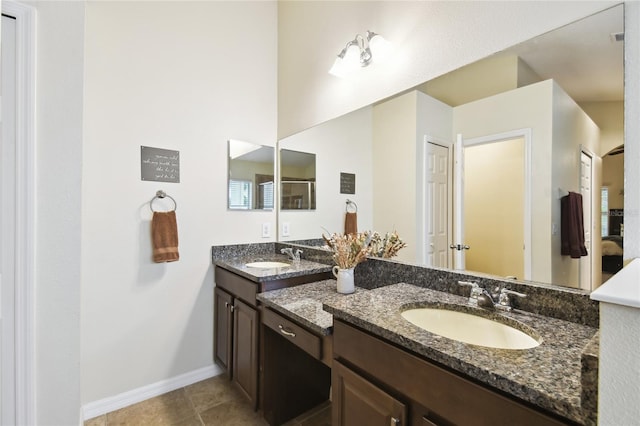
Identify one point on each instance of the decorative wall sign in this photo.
(347, 183)
(162, 165)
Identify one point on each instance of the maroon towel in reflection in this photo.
(572, 226)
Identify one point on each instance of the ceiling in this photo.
(582, 57)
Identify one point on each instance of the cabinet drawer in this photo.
(236, 285)
(294, 333)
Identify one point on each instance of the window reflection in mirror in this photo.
(251, 171)
(297, 180)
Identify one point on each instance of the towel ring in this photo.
(160, 195)
(351, 204)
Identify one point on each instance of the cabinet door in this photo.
(245, 349)
(357, 402)
(222, 333)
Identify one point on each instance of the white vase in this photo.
(345, 280)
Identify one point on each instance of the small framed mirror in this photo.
(251, 176)
(297, 180)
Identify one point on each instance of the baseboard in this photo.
(116, 402)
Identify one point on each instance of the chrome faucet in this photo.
(481, 298)
(294, 255)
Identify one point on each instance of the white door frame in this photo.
(23, 411)
(525, 134)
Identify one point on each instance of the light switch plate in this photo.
(285, 229)
(266, 230)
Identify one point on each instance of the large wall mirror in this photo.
(251, 176)
(547, 114)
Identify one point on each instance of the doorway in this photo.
(492, 217)
(494, 207)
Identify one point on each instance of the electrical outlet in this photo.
(266, 230)
(285, 229)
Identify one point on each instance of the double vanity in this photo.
(289, 340)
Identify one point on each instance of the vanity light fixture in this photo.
(359, 52)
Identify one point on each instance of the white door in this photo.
(7, 220)
(437, 212)
(586, 183)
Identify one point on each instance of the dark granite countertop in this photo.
(303, 303)
(238, 265)
(548, 376)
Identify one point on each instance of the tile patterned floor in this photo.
(212, 402)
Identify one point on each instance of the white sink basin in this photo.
(267, 265)
(469, 328)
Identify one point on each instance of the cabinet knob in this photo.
(232, 308)
(394, 422)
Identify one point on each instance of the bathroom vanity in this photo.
(237, 314)
(382, 368)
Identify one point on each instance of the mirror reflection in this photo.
(557, 100)
(251, 171)
(297, 180)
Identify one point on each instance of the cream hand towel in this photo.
(164, 235)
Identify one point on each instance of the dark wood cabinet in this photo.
(236, 331)
(245, 349)
(223, 332)
(295, 376)
(237, 327)
(435, 395)
(357, 401)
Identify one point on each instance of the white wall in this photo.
(341, 145)
(59, 146)
(619, 372)
(394, 179)
(181, 76)
(430, 38)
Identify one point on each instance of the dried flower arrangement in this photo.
(350, 249)
(386, 247)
